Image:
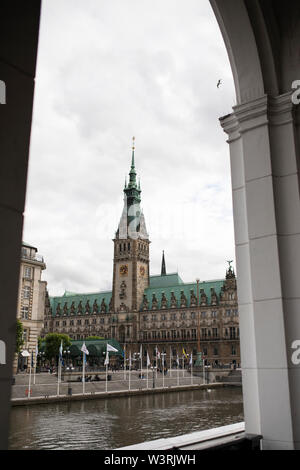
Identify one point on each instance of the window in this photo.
(216, 352)
(25, 335)
(163, 317)
(153, 317)
(215, 332)
(101, 321)
(214, 314)
(203, 332)
(233, 350)
(57, 323)
(26, 292)
(173, 316)
(203, 314)
(182, 316)
(78, 322)
(194, 335)
(25, 312)
(145, 318)
(86, 322)
(228, 312)
(232, 332)
(71, 322)
(193, 315)
(27, 272)
(145, 335)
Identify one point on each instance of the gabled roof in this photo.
(70, 297)
(158, 289)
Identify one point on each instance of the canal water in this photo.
(118, 422)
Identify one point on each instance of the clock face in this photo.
(142, 271)
(124, 270)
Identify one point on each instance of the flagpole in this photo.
(29, 380)
(177, 361)
(58, 377)
(129, 369)
(182, 366)
(83, 373)
(106, 373)
(156, 361)
(192, 368)
(170, 361)
(163, 369)
(141, 354)
(147, 370)
(34, 368)
(124, 361)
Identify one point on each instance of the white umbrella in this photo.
(25, 353)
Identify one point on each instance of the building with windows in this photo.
(159, 312)
(31, 298)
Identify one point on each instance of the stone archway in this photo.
(262, 39)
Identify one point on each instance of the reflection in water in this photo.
(117, 422)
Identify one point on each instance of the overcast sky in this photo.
(107, 71)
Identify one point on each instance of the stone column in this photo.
(265, 191)
(18, 48)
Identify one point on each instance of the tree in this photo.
(93, 337)
(19, 336)
(52, 344)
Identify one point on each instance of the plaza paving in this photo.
(46, 384)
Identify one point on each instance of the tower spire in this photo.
(163, 265)
(132, 174)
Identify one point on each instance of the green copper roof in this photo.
(165, 280)
(159, 288)
(159, 285)
(69, 297)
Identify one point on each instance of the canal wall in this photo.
(110, 394)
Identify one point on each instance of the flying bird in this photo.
(219, 83)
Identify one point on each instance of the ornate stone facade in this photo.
(153, 311)
(31, 298)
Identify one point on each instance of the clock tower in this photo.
(131, 250)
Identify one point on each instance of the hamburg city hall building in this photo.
(159, 312)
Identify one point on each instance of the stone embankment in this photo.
(47, 390)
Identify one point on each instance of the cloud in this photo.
(107, 71)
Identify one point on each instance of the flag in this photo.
(191, 359)
(36, 350)
(148, 360)
(184, 353)
(110, 348)
(157, 353)
(106, 362)
(60, 351)
(177, 360)
(141, 352)
(130, 359)
(32, 363)
(84, 349)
